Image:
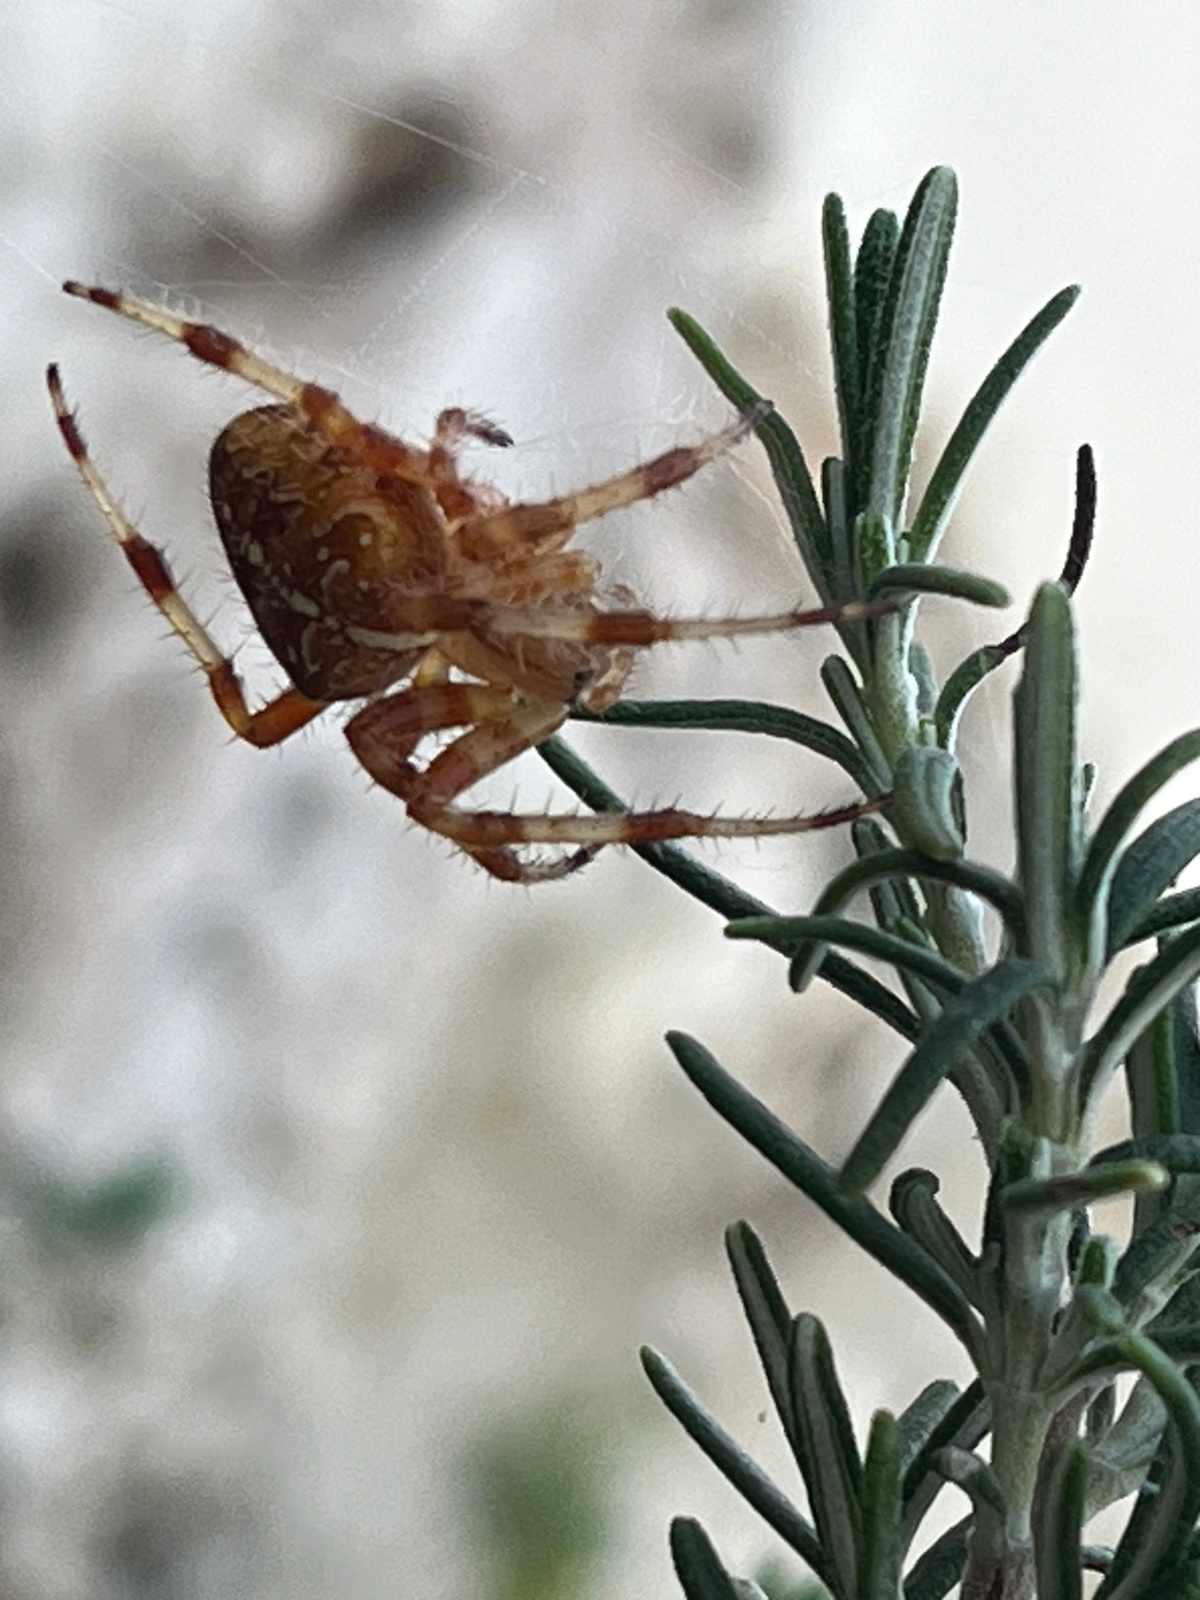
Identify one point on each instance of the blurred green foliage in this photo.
(539, 1489)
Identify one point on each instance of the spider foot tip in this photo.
(98, 296)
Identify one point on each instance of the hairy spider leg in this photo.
(383, 452)
(385, 733)
(269, 725)
(636, 628)
(460, 704)
(375, 447)
(550, 523)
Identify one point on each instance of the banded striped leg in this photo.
(626, 630)
(373, 446)
(550, 522)
(637, 628)
(384, 735)
(380, 450)
(269, 725)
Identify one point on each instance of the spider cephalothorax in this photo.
(376, 571)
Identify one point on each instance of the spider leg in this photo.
(544, 522)
(638, 628)
(373, 445)
(269, 725)
(384, 734)
(634, 628)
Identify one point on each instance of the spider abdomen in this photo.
(324, 548)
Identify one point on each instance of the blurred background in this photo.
(338, 1184)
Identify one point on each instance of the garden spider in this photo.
(369, 563)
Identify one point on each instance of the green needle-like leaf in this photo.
(873, 271)
(911, 578)
(874, 541)
(801, 1166)
(969, 1013)
(792, 477)
(887, 864)
(770, 1322)
(742, 716)
(1185, 1047)
(746, 1476)
(1148, 865)
(1177, 1152)
(938, 499)
(959, 687)
(1177, 1505)
(941, 1566)
(1161, 916)
(834, 1479)
(1154, 1262)
(920, 665)
(914, 1204)
(1059, 1523)
(964, 1425)
(1176, 1580)
(922, 1415)
(1100, 860)
(927, 810)
(879, 1563)
(846, 694)
(792, 934)
(697, 1565)
(906, 333)
(843, 323)
(839, 519)
(1161, 1081)
(1096, 1182)
(1150, 990)
(1047, 781)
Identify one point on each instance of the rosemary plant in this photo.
(997, 974)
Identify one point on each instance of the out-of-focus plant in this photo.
(998, 978)
(536, 1488)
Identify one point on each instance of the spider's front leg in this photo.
(372, 445)
(550, 522)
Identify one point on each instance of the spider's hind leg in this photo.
(270, 724)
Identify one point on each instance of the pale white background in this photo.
(437, 1167)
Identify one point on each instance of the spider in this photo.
(377, 572)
